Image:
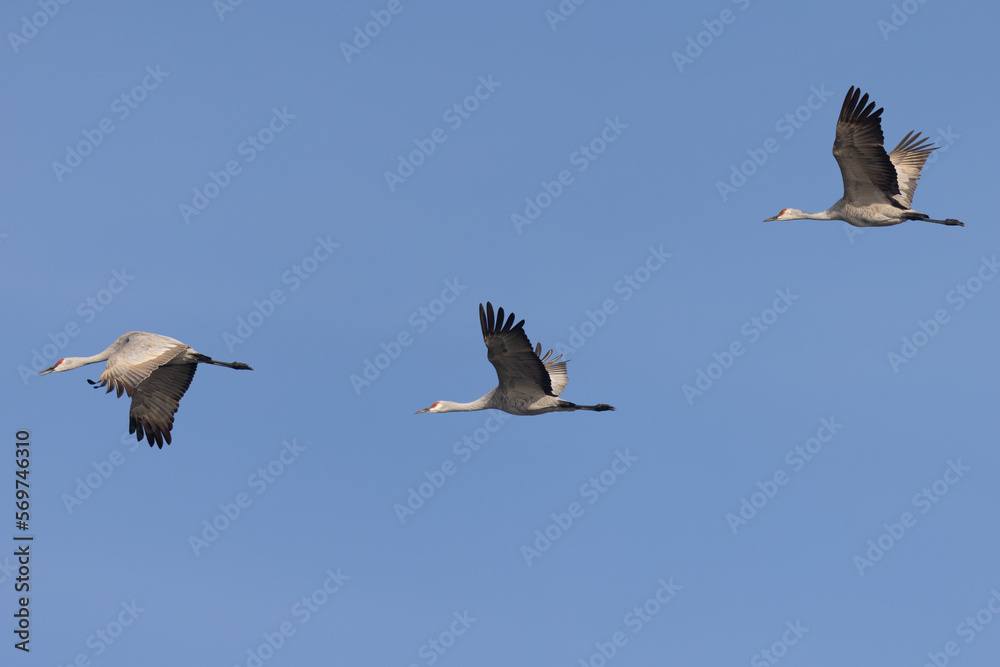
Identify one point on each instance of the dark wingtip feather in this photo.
(857, 107)
(500, 323)
(145, 430)
(850, 100)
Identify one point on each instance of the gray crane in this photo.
(529, 383)
(154, 371)
(878, 187)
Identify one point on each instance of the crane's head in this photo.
(435, 407)
(67, 364)
(786, 214)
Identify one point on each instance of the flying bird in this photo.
(154, 371)
(529, 383)
(878, 187)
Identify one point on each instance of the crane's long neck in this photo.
(828, 214)
(452, 406)
(484, 403)
(70, 363)
(822, 215)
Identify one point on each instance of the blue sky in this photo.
(803, 457)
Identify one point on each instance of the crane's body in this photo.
(154, 371)
(878, 186)
(529, 383)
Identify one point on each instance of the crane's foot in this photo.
(950, 221)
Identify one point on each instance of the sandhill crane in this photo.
(154, 371)
(529, 382)
(878, 188)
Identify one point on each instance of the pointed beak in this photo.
(419, 411)
(770, 219)
(48, 370)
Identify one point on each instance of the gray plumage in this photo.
(529, 383)
(878, 186)
(154, 371)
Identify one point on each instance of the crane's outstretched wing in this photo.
(139, 354)
(869, 175)
(908, 157)
(155, 402)
(139, 368)
(519, 369)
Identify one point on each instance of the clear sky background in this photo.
(237, 199)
